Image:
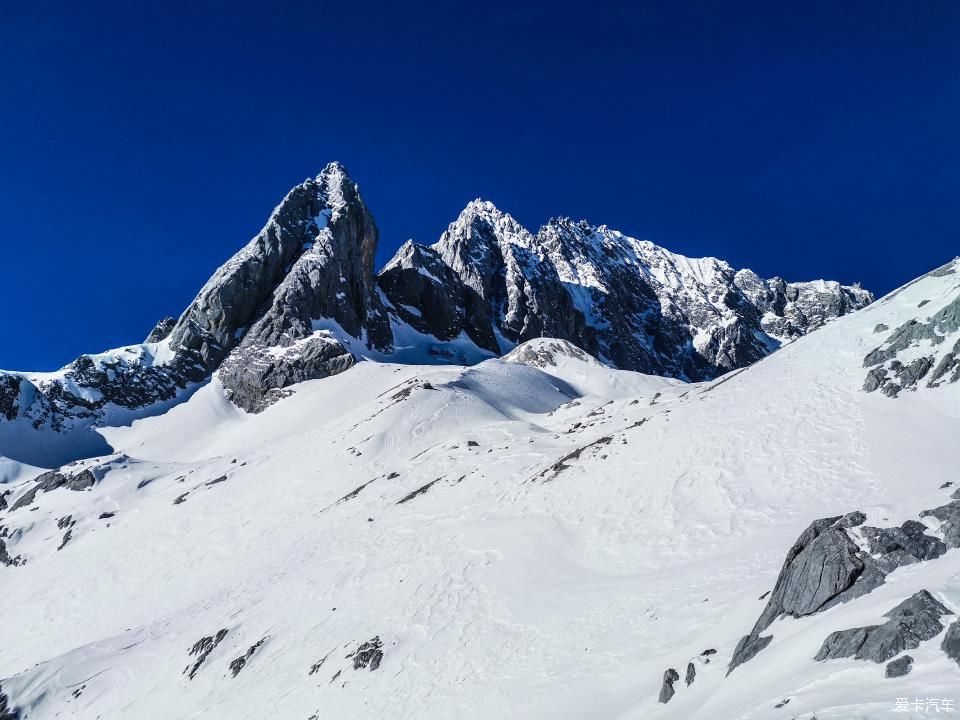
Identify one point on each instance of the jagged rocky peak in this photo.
(327, 288)
(629, 302)
(321, 240)
(312, 263)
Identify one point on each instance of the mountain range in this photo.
(301, 301)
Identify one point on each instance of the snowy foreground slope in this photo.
(537, 536)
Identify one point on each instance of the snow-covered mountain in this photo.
(325, 493)
(301, 301)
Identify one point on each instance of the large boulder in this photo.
(915, 620)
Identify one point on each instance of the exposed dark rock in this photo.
(54, 479)
(180, 498)
(106, 515)
(222, 478)
(902, 546)
(949, 517)
(891, 376)
(7, 711)
(161, 330)
(419, 491)
(913, 621)
(899, 667)
(9, 395)
(824, 567)
(66, 538)
(666, 690)
(747, 649)
(951, 642)
(369, 654)
(691, 674)
(257, 376)
(237, 664)
(880, 327)
(782, 703)
(319, 664)
(65, 522)
(202, 649)
(6, 558)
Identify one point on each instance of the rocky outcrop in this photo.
(915, 620)
(633, 304)
(949, 517)
(666, 690)
(52, 480)
(368, 655)
(257, 377)
(161, 330)
(907, 544)
(822, 568)
(894, 365)
(827, 566)
(548, 353)
(899, 667)
(951, 642)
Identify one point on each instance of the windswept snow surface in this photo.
(527, 540)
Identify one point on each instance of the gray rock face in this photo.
(666, 690)
(256, 378)
(915, 620)
(161, 330)
(904, 545)
(822, 568)
(633, 304)
(949, 516)
(940, 332)
(899, 667)
(951, 642)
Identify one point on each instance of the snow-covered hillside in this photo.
(537, 536)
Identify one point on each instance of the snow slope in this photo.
(537, 536)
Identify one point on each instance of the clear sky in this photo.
(145, 142)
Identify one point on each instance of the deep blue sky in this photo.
(144, 142)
